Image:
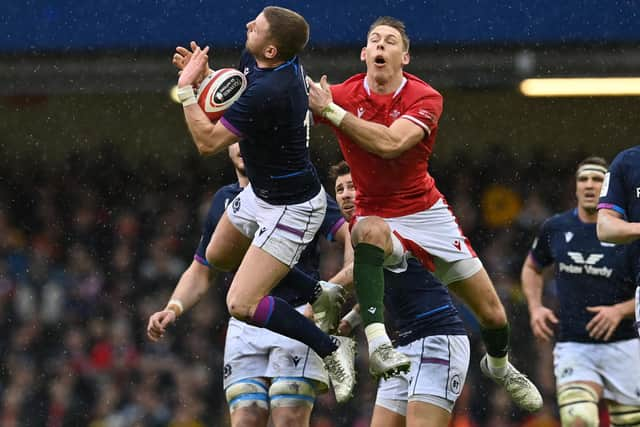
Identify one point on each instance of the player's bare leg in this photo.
(291, 416)
(227, 246)
(248, 300)
(478, 293)
(250, 416)
(421, 414)
(371, 238)
(383, 417)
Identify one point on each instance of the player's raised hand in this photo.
(605, 321)
(541, 319)
(158, 323)
(319, 95)
(196, 67)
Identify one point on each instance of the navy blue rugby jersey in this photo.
(621, 193)
(587, 273)
(419, 305)
(308, 259)
(271, 118)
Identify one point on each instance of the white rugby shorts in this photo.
(614, 366)
(252, 352)
(281, 230)
(434, 237)
(437, 374)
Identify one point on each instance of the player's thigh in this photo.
(383, 417)
(227, 246)
(478, 293)
(422, 414)
(372, 230)
(618, 364)
(258, 273)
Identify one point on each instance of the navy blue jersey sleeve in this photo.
(216, 209)
(612, 195)
(541, 247)
(253, 113)
(333, 220)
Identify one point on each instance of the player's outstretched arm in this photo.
(613, 228)
(386, 142)
(209, 138)
(193, 284)
(607, 318)
(532, 286)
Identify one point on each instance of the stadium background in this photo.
(102, 192)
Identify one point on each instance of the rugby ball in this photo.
(219, 90)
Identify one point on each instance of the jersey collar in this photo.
(368, 89)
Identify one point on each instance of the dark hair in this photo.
(593, 160)
(393, 23)
(339, 169)
(288, 30)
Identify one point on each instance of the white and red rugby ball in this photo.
(219, 90)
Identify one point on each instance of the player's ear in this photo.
(406, 58)
(270, 51)
(363, 54)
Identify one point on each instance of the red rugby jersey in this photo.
(391, 187)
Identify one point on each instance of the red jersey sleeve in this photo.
(425, 112)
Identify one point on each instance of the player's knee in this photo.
(292, 392)
(237, 307)
(624, 415)
(217, 260)
(248, 393)
(372, 230)
(578, 405)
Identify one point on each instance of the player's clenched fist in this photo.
(158, 323)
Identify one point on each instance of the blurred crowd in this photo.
(90, 248)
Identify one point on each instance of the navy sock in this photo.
(276, 315)
(299, 283)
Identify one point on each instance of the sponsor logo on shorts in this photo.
(295, 360)
(458, 245)
(235, 206)
(226, 371)
(455, 384)
(566, 372)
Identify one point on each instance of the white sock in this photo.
(376, 336)
(497, 365)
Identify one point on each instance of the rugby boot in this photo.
(386, 362)
(522, 391)
(326, 307)
(341, 368)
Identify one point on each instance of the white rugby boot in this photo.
(522, 391)
(327, 306)
(341, 368)
(386, 362)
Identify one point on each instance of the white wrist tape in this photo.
(353, 318)
(186, 95)
(334, 113)
(176, 306)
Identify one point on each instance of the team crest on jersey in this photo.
(568, 236)
(395, 114)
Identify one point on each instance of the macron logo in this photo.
(637, 192)
(372, 310)
(568, 236)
